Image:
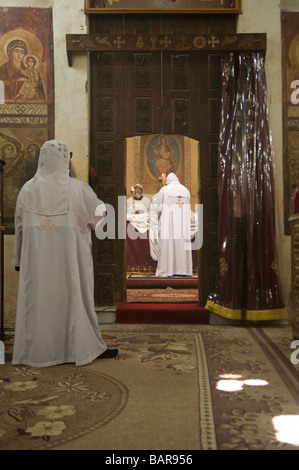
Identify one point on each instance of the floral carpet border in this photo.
(206, 418)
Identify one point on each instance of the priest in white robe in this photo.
(56, 320)
(174, 246)
(138, 203)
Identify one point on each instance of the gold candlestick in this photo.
(133, 194)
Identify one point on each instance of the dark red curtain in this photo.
(248, 284)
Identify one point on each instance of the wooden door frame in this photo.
(78, 43)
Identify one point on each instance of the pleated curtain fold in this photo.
(248, 285)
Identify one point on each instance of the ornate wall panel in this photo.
(27, 107)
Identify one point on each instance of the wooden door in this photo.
(139, 93)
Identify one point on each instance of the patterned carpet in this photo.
(188, 387)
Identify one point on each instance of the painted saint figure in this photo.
(164, 161)
(13, 73)
(32, 87)
(12, 154)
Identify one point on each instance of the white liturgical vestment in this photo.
(56, 320)
(138, 213)
(173, 205)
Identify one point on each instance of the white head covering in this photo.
(174, 187)
(47, 193)
(172, 178)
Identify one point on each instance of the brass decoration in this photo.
(162, 42)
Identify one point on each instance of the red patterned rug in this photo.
(162, 295)
(152, 282)
(162, 313)
(162, 306)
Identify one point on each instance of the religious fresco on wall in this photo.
(155, 154)
(27, 98)
(163, 156)
(160, 154)
(290, 70)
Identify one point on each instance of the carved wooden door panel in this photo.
(136, 93)
(161, 93)
(108, 162)
(142, 97)
(180, 93)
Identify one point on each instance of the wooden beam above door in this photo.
(150, 43)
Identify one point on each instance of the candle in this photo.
(133, 193)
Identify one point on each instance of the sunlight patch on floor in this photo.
(286, 428)
(234, 383)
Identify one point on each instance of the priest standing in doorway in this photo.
(173, 206)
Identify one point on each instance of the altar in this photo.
(140, 249)
(139, 260)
